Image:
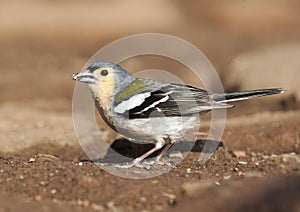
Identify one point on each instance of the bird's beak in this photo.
(84, 76)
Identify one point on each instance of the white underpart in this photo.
(146, 130)
(131, 103)
(155, 103)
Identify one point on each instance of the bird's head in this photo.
(105, 76)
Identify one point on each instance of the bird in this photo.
(146, 110)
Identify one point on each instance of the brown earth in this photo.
(257, 167)
(42, 165)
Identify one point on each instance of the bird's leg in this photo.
(165, 149)
(158, 145)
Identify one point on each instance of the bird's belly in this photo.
(148, 130)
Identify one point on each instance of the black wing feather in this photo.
(182, 101)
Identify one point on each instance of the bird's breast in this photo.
(105, 113)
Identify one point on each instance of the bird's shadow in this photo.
(123, 150)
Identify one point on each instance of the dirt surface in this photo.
(257, 160)
(256, 167)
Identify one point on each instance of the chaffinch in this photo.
(147, 110)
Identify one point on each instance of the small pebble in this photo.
(239, 154)
(43, 183)
(31, 160)
(243, 162)
(227, 177)
(111, 206)
(143, 199)
(97, 207)
(217, 183)
(171, 198)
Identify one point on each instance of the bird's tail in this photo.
(236, 96)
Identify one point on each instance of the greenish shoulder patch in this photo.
(137, 86)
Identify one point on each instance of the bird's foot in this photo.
(144, 164)
(137, 163)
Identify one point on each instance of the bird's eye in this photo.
(104, 72)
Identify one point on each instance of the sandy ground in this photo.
(256, 160)
(42, 165)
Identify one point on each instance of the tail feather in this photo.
(236, 96)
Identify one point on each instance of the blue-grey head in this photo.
(104, 76)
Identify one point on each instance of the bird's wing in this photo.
(152, 98)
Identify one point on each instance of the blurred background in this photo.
(252, 44)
